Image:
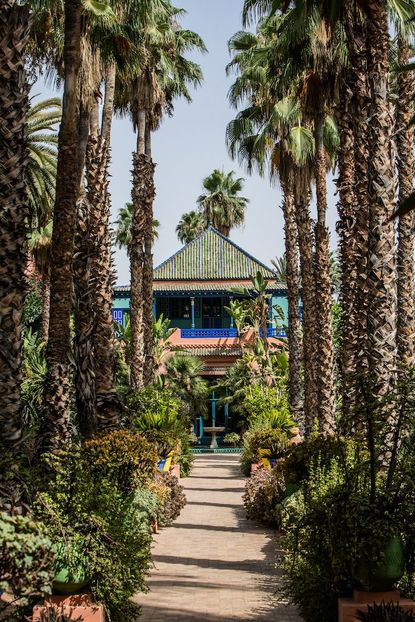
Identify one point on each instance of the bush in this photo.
(255, 439)
(264, 491)
(267, 407)
(233, 439)
(26, 557)
(95, 514)
(171, 498)
(386, 612)
(157, 417)
(127, 458)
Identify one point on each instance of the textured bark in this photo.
(381, 180)
(405, 262)
(14, 214)
(324, 350)
(360, 116)
(107, 110)
(346, 207)
(141, 176)
(84, 324)
(149, 368)
(57, 425)
(305, 242)
(102, 281)
(293, 278)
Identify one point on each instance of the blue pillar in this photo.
(213, 409)
(226, 415)
(230, 301)
(154, 308)
(192, 306)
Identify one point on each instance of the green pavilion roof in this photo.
(209, 257)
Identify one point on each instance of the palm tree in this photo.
(40, 247)
(183, 377)
(123, 226)
(406, 167)
(14, 209)
(153, 85)
(57, 426)
(42, 139)
(280, 265)
(221, 205)
(190, 226)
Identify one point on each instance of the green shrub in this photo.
(267, 407)
(94, 513)
(127, 458)
(26, 557)
(233, 439)
(255, 439)
(264, 491)
(386, 612)
(173, 499)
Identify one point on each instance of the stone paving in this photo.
(214, 564)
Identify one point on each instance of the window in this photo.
(180, 309)
(163, 307)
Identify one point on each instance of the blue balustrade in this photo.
(210, 333)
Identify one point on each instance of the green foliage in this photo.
(276, 441)
(267, 407)
(26, 558)
(386, 612)
(126, 458)
(183, 378)
(264, 491)
(158, 415)
(233, 439)
(34, 373)
(173, 499)
(336, 533)
(97, 511)
(32, 308)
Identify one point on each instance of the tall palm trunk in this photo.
(405, 262)
(14, 213)
(141, 177)
(293, 277)
(323, 302)
(305, 243)
(381, 183)
(347, 246)
(57, 426)
(102, 278)
(149, 369)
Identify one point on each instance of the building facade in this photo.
(192, 288)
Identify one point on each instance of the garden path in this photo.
(214, 564)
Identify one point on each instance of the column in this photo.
(213, 409)
(154, 308)
(230, 304)
(192, 307)
(226, 414)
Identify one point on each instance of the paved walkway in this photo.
(213, 564)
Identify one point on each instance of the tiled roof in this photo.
(210, 256)
(200, 286)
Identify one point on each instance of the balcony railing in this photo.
(223, 333)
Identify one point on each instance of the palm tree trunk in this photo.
(293, 288)
(305, 242)
(405, 262)
(85, 389)
(14, 213)
(136, 252)
(148, 371)
(324, 341)
(347, 247)
(102, 277)
(382, 184)
(57, 425)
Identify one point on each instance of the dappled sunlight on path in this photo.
(213, 564)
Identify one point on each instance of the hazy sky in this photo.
(190, 145)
